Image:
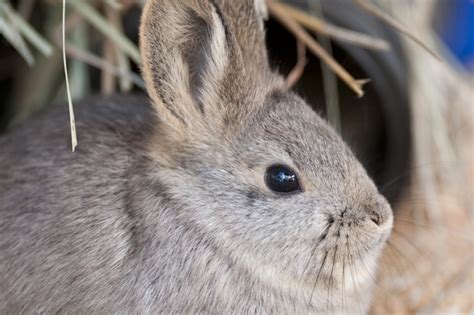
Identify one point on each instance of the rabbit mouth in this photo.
(340, 272)
(346, 248)
(344, 258)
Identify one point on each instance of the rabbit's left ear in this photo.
(200, 57)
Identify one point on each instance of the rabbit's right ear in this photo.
(199, 54)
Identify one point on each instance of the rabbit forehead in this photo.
(287, 126)
(287, 131)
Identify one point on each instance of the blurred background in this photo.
(394, 77)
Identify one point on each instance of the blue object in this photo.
(457, 30)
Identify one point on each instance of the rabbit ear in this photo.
(198, 55)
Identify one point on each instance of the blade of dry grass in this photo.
(298, 70)
(114, 4)
(79, 74)
(102, 64)
(28, 32)
(375, 11)
(72, 119)
(123, 62)
(331, 92)
(13, 36)
(124, 73)
(108, 80)
(318, 25)
(101, 24)
(300, 33)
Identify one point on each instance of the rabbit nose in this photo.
(376, 218)
(380, 215)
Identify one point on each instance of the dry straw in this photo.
(72, 120)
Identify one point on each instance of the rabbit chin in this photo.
(329, 286)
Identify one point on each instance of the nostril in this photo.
(376, 218)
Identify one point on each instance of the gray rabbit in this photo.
(228, 194)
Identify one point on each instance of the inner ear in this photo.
(198, 56)
(206, 55)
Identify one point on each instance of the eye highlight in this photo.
(282, 179)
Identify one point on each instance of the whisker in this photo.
(468, 237)
(313, 252)
(421, 252)
(394, 261)
(438, 165)
(331, 281)
(317, 276)
(343, 282)
(408, 261)
(367, 269)
(354, 283)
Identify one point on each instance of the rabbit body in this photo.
(172, 213)
(63, 234)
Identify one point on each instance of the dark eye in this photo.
(281, 179)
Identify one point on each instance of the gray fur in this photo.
(170, 213)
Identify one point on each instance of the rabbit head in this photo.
(248, 163)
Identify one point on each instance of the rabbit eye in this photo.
(282, 179)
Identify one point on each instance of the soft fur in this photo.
(170, 213)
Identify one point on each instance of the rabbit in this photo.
(220, 192)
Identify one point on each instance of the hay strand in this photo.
(72, 119)
(375, 11)
(320, 26)
(295, 74)
(302, 35)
